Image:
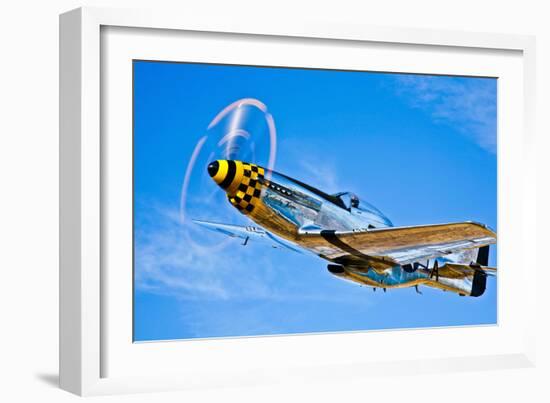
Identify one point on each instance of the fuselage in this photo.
(290, 209)
(286, 206)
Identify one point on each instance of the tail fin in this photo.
(479, 283)
(483, 256)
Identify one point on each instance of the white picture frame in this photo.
(93, 348)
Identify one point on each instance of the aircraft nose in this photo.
(222, 172)
(213, 168)
(228, 174)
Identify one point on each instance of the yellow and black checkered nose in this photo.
(241, 181)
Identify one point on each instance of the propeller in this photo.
(243, 130)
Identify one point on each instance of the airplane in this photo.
(360, 243)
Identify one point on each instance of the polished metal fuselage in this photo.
(304, 208)
(292, 210)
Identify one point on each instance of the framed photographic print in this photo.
(250, 202)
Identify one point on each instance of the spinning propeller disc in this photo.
(243, 130)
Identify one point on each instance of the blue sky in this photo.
(420, 148)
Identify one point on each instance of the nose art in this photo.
(213, 168)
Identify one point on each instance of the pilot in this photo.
(354, 201)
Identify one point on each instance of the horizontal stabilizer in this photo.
(467, 269)
(477, 273)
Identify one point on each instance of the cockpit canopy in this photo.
(348, 199)
(352, 201)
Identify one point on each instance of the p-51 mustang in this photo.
(361, 244)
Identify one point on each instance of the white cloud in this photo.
(174, 259)
(191, 263)
(466, 104)
(307, 166)
(322, 175)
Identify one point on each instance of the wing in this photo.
(246, 233)
(385, 247)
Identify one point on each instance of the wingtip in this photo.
(203, 223)
(484, 226)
